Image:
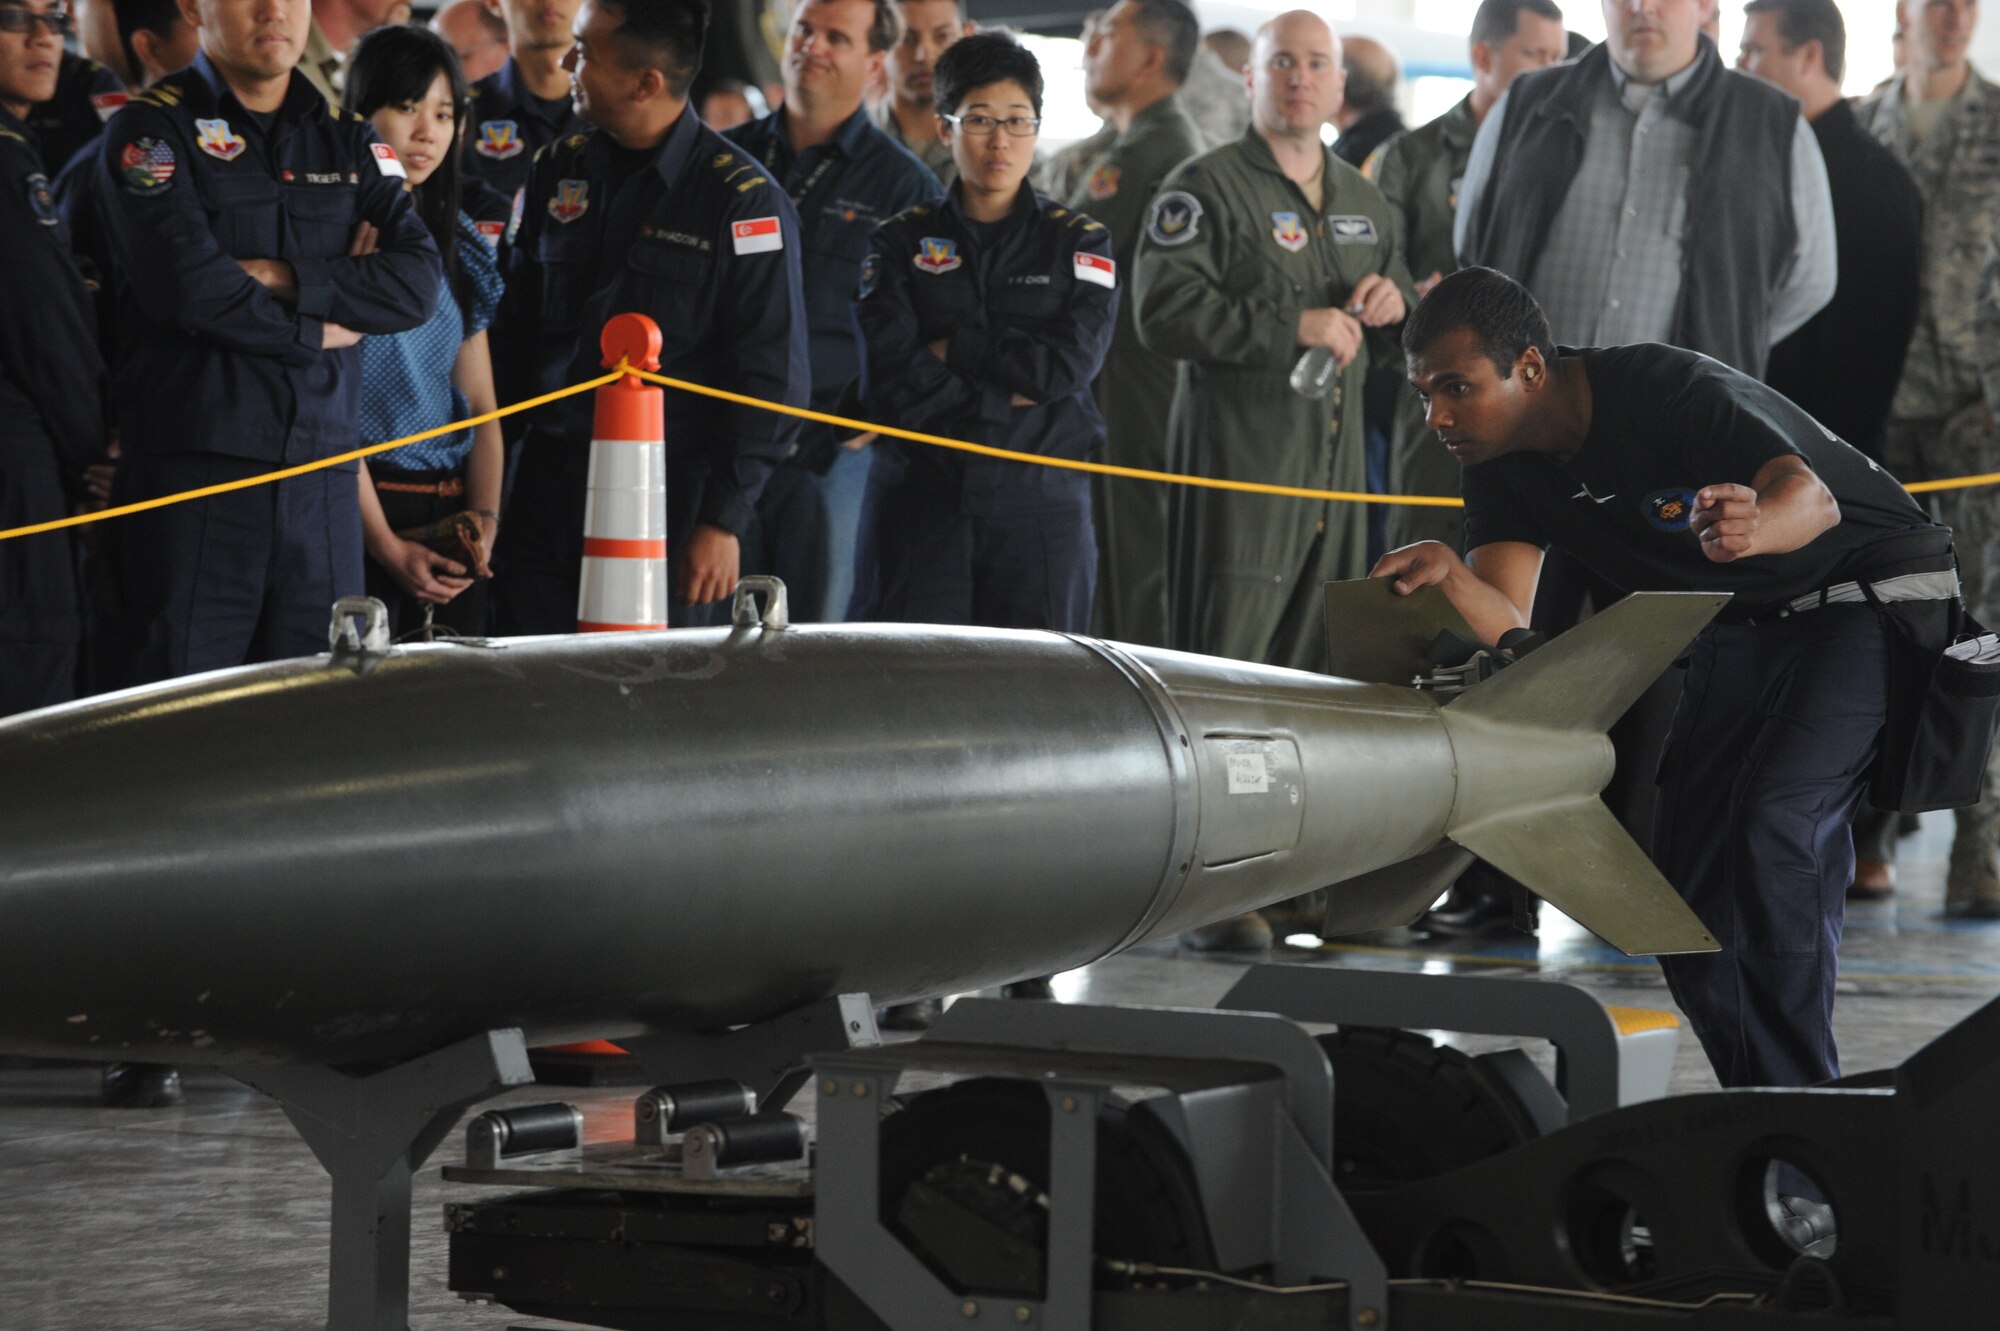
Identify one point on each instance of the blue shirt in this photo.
(844, 189)
(406, 379)
(188, 183)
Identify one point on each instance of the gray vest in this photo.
(1741, 232)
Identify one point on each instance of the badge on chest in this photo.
(1290, 234)
(1356, 230)
(936, 255)
(572, 198)
(499, 140)
(215, 138)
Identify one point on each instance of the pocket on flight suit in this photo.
(564, 261)
(244, 213)
(322, 219)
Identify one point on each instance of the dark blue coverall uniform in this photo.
(1029, 304)
(694, 234)
(51, 426)
(87, 95)
(218, 379)
(506, 127)
(843, 188)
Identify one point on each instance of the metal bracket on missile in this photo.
(1262, 1155)
(345, 642)
(743, 605)
(371, 1134)
(1599, 1067)
(767, 1056)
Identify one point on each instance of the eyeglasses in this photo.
(23, 20)
(979, 127)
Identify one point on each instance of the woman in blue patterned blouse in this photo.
(407, 81)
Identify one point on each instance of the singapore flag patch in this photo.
(1096, 268)
(756, 236)
(387, 161)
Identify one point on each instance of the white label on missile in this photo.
(1248, 774)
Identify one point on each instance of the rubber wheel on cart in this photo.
(981, 1148)
(1406, 1108)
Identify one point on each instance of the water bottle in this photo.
(1313, 375)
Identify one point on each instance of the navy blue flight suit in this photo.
(218, 379)
(506, 127)
(844, 188)
(1029, 304)
(695, 235)
(87, 95)
(51, 426)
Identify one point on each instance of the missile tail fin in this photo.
(1532, 759)
(1584, 679)
(1576, 857)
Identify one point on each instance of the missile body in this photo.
(356, 859)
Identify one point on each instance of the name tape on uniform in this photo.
(1096, 268)
(758, 235)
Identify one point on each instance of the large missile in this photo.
(365, 856)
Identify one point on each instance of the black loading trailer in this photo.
(1072, 1167)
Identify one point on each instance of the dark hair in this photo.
(667, 35)
(884, 30)
(1497, 20)
(1489, 304)
(1802, 21)
(1366, 92)
(398, 64)
(1171, 26)
(983, 58)
(155, 16)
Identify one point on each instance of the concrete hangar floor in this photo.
(213, 1216)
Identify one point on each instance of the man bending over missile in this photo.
(1669, 471)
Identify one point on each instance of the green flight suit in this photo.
(1419, 173)
(1136, 386)
(1232, 253)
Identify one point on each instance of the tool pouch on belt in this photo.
(1943, 704)
(457, 537)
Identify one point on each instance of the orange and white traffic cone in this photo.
(624, 570)
(625, 511)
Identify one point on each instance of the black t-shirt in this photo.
(1664, 423)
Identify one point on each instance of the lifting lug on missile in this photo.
(743, 606)
(361, 649)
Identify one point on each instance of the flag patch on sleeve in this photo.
(386, 159)
(1096, 268)
(756, 235)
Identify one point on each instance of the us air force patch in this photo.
(1175, 219)
(1352, 230)
(1288, 232)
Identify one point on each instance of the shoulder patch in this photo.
(1095, 268)
(146, 165)
(1175, 219)
(756, 235)
(42, 200)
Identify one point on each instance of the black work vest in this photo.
(1741, 231)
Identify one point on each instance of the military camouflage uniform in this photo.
(1136, 387)
(1941, 423)
(1231, 254)
(1419, 174)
